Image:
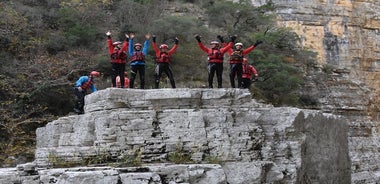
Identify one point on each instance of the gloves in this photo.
(176, 40)
(258, 42)
(198, 38)
(233, 38)
(220, 38)
(108, 34)
(154, 38)
(126, 37)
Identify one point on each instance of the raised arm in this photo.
(172, 50)
(109, 42)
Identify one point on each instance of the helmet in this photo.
(95, 73)
(137, 44)
(238, 44)
(163, 46)
(245, 60)
(214, 42)
(116, 43)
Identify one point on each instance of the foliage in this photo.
(179, 156)
(239, 18)
(280, 80)
(130, 159)
(46, 45)
(214, 160)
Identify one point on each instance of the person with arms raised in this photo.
(215, 59)
(163, 61)
(137, 53)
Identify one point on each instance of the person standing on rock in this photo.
(249, 74)
(117, 51)
(137, 53)
(163, 61)
(84, 85)
(215, 59)
(236, 60)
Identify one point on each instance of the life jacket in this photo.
(236, 56)
(118, 56)
(164, 58)
(137, 56)
(215, 56)
(87, 84)
(246, 69)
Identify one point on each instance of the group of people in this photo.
(239, 66)
(118, 51)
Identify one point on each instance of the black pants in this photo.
(79, 103)
(163, 67)
(118, 69)
(134, 70)
(246, 82)
(236, 70)
(212, 68)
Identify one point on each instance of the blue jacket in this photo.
(131, 51)
(82, 80)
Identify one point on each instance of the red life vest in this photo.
(164, 58)
(215, 56)
(118, 56)
(236, 56)
(137, 56)
(87, 84)
(248, 71)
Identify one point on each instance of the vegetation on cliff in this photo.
(45, 45)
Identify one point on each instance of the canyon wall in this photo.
(344, 33)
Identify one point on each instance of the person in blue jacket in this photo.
(84, 85)
(137, 53)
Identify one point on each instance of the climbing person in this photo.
(126, 80)
(117, 51)
(236, 59)
(215, 59)
(163, 61)
(84, 85)
(249, 74)
(137, 53)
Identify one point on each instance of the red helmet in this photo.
(163, 46)
(137, 44)
(95, 73)
(116, 43)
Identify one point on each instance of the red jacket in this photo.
(117, 56)
(243, 53)
(163, 57)
(248, 70)
(215, 55)
(126, 82)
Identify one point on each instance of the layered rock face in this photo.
(344, 33)
(252, 142)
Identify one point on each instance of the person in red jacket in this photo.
(126, 81)
(236, 59)
(249, 74)
(163, 60)
(84, 85)
(118, 53)
(215, 59)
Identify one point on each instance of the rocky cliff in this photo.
(344, 33)
(225, 135)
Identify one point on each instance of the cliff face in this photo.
(344, 33)
(256, 143)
